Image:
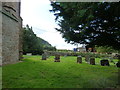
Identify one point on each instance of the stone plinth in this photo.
(79, 59)
(57, 58)
(104, 63)
(92, 61)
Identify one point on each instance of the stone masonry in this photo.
(10, 35)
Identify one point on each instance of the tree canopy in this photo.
(33, 44)
(89, 23)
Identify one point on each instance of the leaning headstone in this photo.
(57, 58)
(44, 57)
(92, 61)
(104, 63)
(87, 58)
(79, 59)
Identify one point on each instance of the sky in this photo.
(36, 13)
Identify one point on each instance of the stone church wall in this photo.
(11, 33)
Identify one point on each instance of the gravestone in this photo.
(104, 63)
(79, 59)
(92, 61)
(87, 58)
(44, 57)
(118, 63)
(57, 58)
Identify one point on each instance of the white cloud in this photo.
(56, 40)
(36, 14)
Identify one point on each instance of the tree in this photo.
(105, 49)
(89, 23)
(33, 44)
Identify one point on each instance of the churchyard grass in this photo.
(36, 73)
(0, 78)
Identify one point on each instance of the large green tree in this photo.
(89, 23)
(33, 44)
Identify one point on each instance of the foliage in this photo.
(83, 54)
(105, 49)
(89, 23)
(33, 44)
(50, 48)
(36, 73)
(63, 50)
(30, 42)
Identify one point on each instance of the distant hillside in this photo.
(33, 44)
(44, 43)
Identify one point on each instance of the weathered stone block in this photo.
(104, 63)
(92, 61)
(118, 64)
(79, 59)
(57, 58)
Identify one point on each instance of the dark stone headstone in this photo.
(92, 61)
(118, 57)
(79, 59)
(57, 58)
(104, 63)
(118, 64)
(44, 57)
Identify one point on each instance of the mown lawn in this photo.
(36, 73)
(0, 78)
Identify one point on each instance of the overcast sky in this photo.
(36, 13)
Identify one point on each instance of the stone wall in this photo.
(11, 32)
(0, 34)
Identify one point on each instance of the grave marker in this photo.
(57, 58)
(118, 63)
(92, 61)
(79, 59)
(104, 63)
